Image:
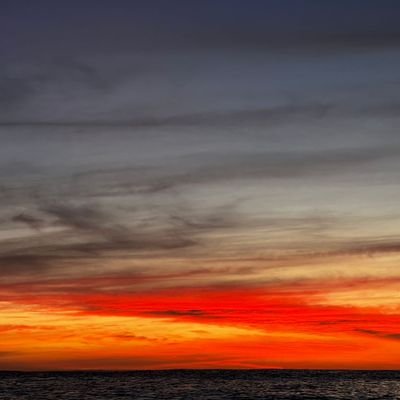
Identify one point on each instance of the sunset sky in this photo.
(199, 184)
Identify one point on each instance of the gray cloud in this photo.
(90, 234)
(33, 222)
(257, 117)
(92, 230)
(25, 264)
(201, 169)
(26, 81)
(215, 118)
(83, 134)
(87, 218)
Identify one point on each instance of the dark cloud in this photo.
(87, 218)
(179, 313)
(31, 221)
(179, 230)
(91, 234)
(56, 257)
(370, 247)
(380, 334)
(16, 264)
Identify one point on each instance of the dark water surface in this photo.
(198, 385)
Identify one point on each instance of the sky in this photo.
(199, 184)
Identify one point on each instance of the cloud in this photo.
(24, 82)
(214, 167)
(132, 337)
(87, 218)
(242, 118)
(285, 165)
(380, 334)
(239, 117)
(179, 313)
(87, 234)
(371, 247)
(16, 264)
(31, 221)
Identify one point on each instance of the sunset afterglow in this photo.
(195, 188)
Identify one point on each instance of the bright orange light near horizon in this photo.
(312, 325)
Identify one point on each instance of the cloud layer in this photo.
(223, 182)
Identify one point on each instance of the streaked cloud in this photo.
(198, 176)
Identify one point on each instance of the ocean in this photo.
(201, 384)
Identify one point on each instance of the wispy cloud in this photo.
(379, 334)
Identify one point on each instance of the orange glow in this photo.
(305, 325)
